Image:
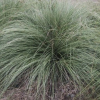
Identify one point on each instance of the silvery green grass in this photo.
(47, 42)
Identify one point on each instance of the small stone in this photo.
(72, 95)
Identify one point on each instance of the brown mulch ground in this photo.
(64, 92)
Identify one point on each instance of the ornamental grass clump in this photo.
(50, 43)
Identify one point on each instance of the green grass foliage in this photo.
(48, 42)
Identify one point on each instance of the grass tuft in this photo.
(52, 42)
